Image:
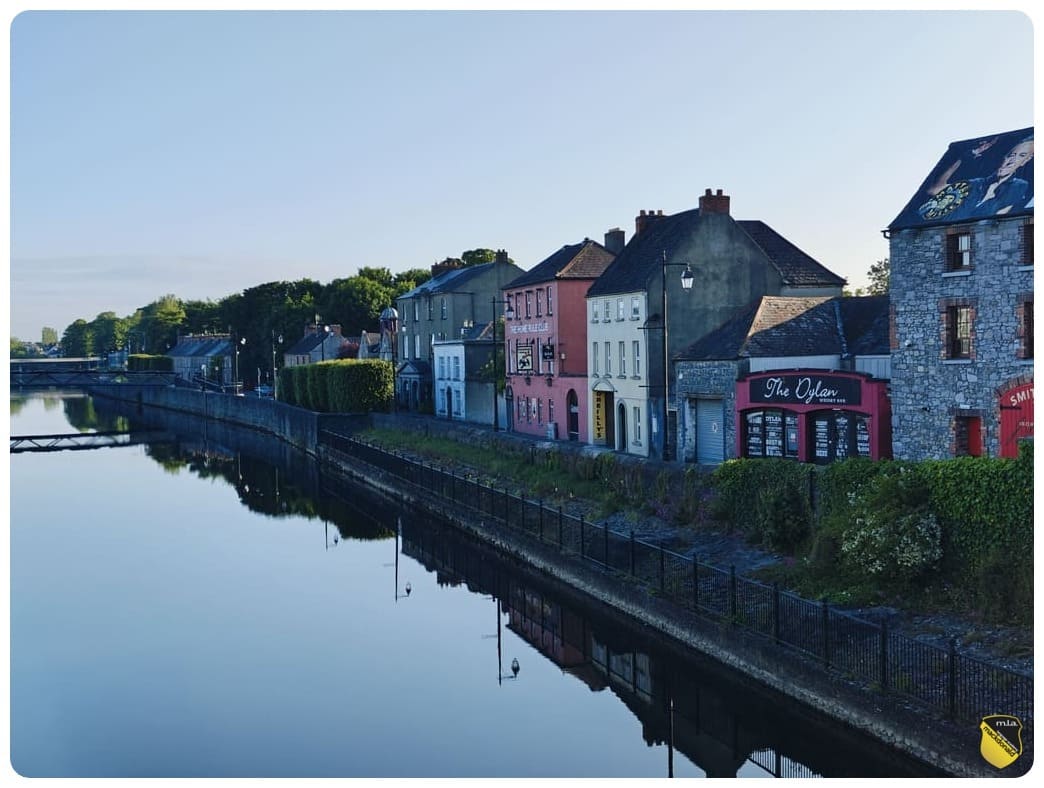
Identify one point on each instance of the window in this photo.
(958, 328)
(550, 409)
(958, 251)
(595, 317)
(549, 301)
(442, 367)
(619, 309)
(428, 304)
(1027, 243)
(636, 352)
(770, 433)
(623, 359)
(605, 310)
(444, 311)
(529, 302)
(608, 358)
(636, 308)
(539, 299)
(416, 346)
(637, 424)
(540, 411)
(416, 310)
(1024, 314)
(456, 367)
(967, 436)
(594, 358)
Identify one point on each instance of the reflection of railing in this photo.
(959, 685)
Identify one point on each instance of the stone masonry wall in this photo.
(928, 390)
(705, 380)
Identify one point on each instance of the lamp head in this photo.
(687, 278)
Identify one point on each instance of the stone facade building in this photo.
(803, 378)
(961, 256)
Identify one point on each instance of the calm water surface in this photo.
(190, 610)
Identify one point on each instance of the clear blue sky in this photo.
(203, 153)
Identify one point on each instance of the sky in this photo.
(203, 153)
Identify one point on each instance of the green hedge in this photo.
(342, 386)
(141, 362)
(766, 500)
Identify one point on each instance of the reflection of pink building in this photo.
(546, 340)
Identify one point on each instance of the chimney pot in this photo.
(714, 203)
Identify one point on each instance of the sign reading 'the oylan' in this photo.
(806, 390)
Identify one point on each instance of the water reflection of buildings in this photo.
(715, 719)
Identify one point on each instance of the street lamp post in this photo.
(235, 383)
(275, 381)
(509, 313)
(686, 283)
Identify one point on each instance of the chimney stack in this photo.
(614, 240)
(643, 220)
(502, 257)
(714, 203)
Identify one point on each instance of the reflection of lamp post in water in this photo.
(409, 588)
(500, 661)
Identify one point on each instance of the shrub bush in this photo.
(893, 532)
(767, 500)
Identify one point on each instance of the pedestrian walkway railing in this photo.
(960, 686)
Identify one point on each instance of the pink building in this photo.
(546, 340)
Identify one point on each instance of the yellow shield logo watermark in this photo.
(1001, 742)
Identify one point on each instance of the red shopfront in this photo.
(1016, 417)
(812, 415)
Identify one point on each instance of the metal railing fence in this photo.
(960, 686)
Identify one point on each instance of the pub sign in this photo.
(805, 389)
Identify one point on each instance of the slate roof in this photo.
(796, 267)
(798, 326)
(641, 258)
(585, 260)
(451, 280)
(196, 346)
(865, 320)
(305, 345)
(954, 190)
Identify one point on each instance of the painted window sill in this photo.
(957, 361)
(962, 272)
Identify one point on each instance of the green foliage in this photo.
(766, 500)
(341, 386)
(892, 531)
(142, 362)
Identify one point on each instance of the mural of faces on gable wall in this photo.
(976, 179)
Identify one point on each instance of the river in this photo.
(201, 608)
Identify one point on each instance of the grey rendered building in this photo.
(456, 296)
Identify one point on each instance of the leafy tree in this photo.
(356, 303)
(161, 322)
(49, 336)
(109, 332)
(77, 341)
(203, 317)
(478, 256)
(879, 275)
(381, 276)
